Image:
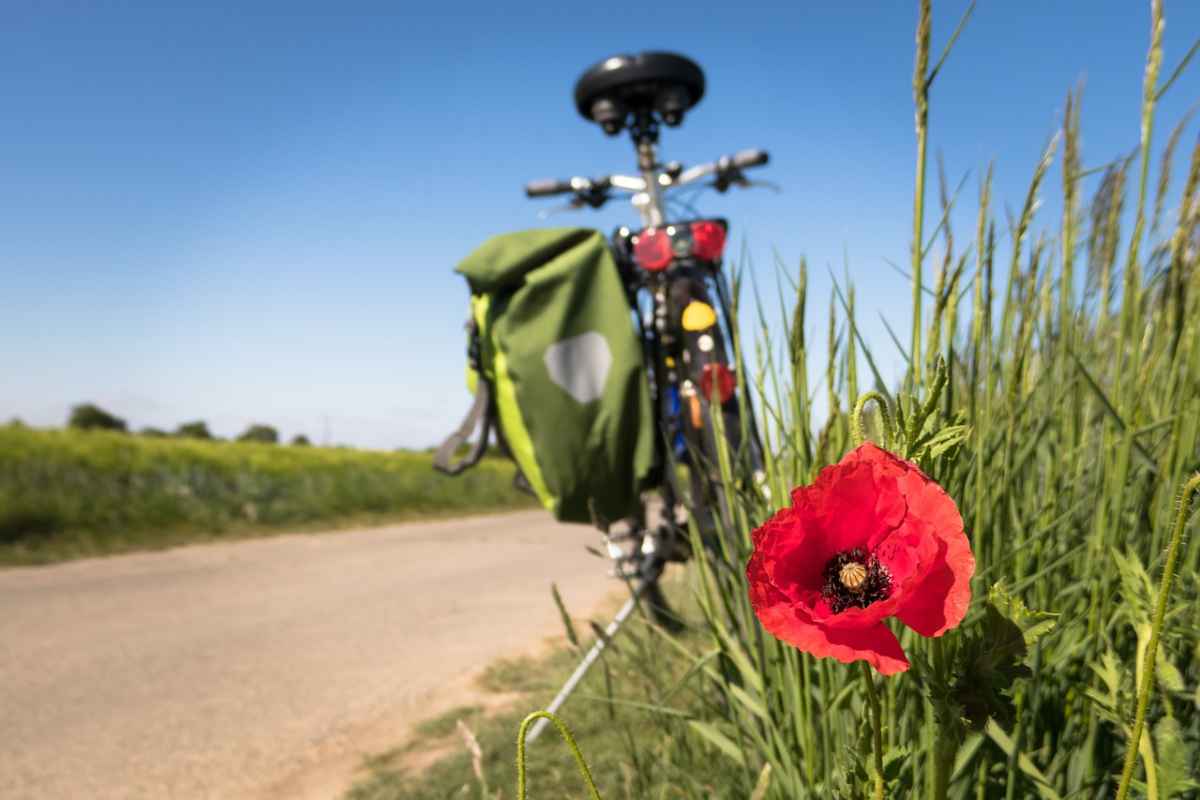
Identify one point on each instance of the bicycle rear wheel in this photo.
(722, 447)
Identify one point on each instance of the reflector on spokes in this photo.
(725, 382)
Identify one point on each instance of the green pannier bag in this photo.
(557, 370)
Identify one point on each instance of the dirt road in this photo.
(265, 668)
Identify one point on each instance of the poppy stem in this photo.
(1160, 613)
(944, 742)
(876, 726)
(858, 431)
(593, 792)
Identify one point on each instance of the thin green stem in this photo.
(876, 727)
(593, 792)
(1160, 613)
(945, 745)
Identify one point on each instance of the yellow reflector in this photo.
(698, 316)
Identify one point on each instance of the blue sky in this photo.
(246, 212)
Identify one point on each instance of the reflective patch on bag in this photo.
(580, 365)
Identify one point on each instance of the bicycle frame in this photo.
(690, 275)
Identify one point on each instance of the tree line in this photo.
(89, 416)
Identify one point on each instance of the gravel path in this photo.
(266, 668)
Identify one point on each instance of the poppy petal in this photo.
(794, 548)
(849, 502)
(875, 644)
(940, 602)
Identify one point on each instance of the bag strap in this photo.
(481, 412)
(521, 483)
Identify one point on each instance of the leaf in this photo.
(1110, 705)
(1174, 759)
(1033, 624)
(568, 626)
(763, 783)
(1136, 588)
(1166, 674)
(851, 775)
(1040, 783)
(1150, 762)
(934, 443)
(992, 657)
(897, 778)
(1110, 673)
(966, 755)
(718, 740)
(742, 696)
(733, 649)
(947, 438)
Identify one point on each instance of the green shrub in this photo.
(260, 433)
(89, 416)
(193, 430)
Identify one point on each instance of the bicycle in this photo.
(671, 270)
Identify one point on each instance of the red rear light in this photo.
(652, 250)
(708, 240)
(725, 382)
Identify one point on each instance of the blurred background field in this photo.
(72, 493)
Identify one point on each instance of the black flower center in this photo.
(854, 578)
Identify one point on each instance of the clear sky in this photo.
(251, 211)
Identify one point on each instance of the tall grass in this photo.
(1083, 414)
(1075, 369)
(67, 493)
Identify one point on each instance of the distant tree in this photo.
(260, 433)
(88, 416)
(16, 422)
(300, 440)
(153, 433)
(193, 430)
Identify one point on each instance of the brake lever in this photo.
(591, 196)
(573, 205)
(774, 187)
(737, 178)
(729, 176)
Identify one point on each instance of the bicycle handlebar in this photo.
(726, 169)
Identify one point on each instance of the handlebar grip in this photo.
(545, 188)
(750, 158)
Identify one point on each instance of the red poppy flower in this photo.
(873, 537)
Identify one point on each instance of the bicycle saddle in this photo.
(640, 84)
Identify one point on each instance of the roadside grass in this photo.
(446, 723)
(628, 714)
(69, 494)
